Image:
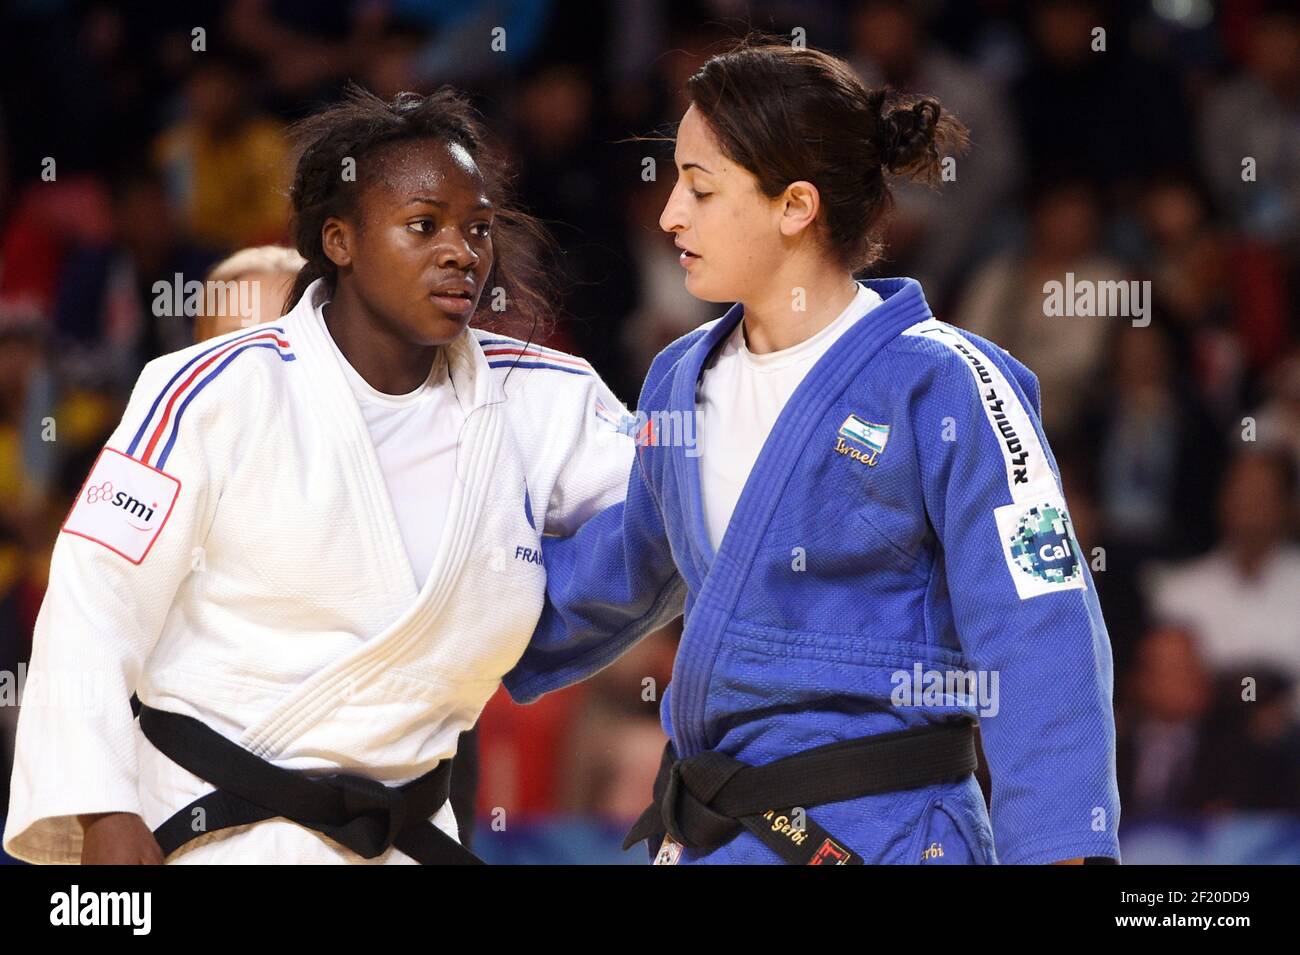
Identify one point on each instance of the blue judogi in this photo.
(903, 527)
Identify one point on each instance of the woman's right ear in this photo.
(336, 241)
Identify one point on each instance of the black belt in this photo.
(705, 800)
(362, 814)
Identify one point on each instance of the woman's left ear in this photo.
(800, 203)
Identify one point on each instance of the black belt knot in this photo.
(376, 814)
(704, 800)
(359, 813)
(684, 802)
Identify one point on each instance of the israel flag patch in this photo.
(871, 436)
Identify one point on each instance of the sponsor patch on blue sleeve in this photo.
(1041, 551)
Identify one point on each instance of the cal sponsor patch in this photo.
(1040, 548)
(123, 505)
(669, 852)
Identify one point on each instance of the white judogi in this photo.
(234, 557)
(415, 437)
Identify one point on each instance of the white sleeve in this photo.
(123, 551)
(599, 447)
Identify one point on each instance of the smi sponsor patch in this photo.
(123, 505)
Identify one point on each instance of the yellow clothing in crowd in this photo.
(232, 188)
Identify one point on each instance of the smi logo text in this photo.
(139, 510)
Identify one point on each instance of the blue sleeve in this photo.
(1028, 383)
(1023, 602)
(610, 582)
(608, 585)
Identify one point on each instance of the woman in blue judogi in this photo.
(855, 507)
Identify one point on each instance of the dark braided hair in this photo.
(360, 126)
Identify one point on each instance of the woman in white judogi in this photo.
(318, 536)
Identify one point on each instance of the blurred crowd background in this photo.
(1172, 156)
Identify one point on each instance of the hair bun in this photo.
(908, 132)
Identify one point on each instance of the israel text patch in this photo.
(861, 440)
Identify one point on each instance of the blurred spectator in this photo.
(1005, 300)
(109, 312)
(226, 165)
(616, 742)
(24, 474)
(936, 233)
(389, 67)
(1104, 113)
(1148, 451)
(461, 50)
(1154, 449)
(1256, 115)
(49, 219)
(1241, 600)
(665, 310)
(303, 49)
(1160, 747)
(1225, 296)
(1186, 744)
(572, 177)
(1088, 154)
(1114, 569)
(1277, 422)
(1256, 763)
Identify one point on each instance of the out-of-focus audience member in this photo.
(1224, 294)
(1006, 302)
(1088, 155)
(1154, 450)
(1241, 600)
(1147, 454)
(1188, 743)
(24, 498)
(302, 49)
(469, 41)
(226, 164)
(1277, 421)
(1089, 100)
(1255, 116)
(110, 318)
(936, 233)
(614, 747)
(21, 360)
(1160, 736)
(48, 219)
(571, 177)
(247, 288)
(665, 310)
